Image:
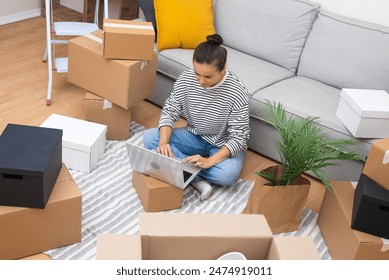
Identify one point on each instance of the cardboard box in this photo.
(124, 39)
(364, 112)
(26, 231)
(334, 222)
(116, 118)
(156, 195)
(293, 248)
(371, 208)
(123, 82)
(30, 161)
(202, 236)
(83, 142)
(377, 163)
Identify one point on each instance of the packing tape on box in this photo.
(94, 38)
(385, 246)
(386, 158)
(122, 25)
(143, 64)
(107, 104)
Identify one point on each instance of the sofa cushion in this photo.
(303, 97)
(346, 53)
(183, 24)
(255, 73)
(274, 30)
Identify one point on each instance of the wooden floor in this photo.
(23, 88)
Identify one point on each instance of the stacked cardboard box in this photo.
(28, 230)
(178, 236)
(371, 199)
(117, 65)
(343, 242)
(354, 217)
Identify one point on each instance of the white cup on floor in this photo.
(232, 256)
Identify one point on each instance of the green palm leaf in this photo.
(303, 147)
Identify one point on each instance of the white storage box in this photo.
(83, 142)
(364, 112)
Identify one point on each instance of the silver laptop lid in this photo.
(166, 169)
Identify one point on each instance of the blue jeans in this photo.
(184, 143)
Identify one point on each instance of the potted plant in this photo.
(302, 147)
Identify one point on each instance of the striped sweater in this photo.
(219, 114)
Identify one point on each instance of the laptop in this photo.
(169, 170)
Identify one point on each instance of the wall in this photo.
(376, 11)
(16, 10)
(370, 10)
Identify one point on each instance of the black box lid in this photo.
(26, 150)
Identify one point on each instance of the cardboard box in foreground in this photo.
(175, 236)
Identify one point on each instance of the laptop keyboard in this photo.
(186, 175)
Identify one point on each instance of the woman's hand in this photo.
(165, 149)
(199, 161)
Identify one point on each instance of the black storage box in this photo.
(371, 208)
(30, 162)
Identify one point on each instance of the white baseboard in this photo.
(20, 16)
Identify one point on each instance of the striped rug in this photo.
(111, 205)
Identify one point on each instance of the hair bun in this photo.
(215, 39)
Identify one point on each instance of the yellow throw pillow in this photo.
(183, 23)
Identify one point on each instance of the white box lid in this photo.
(77, 134)
(367, 103)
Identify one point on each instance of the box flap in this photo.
(185, 224)
(367, 103)
(112, 246)
(91, 96)
(293, 248)
(77, 134)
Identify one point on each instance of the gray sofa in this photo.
(292, 52)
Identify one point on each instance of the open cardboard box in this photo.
(178, 236)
